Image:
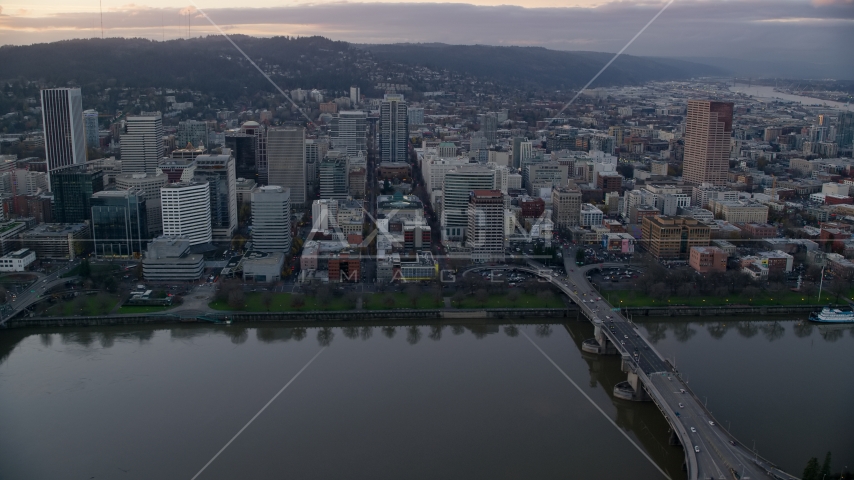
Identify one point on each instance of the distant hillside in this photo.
(213, 66)
(540, 67)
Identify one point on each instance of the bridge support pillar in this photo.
(674, 439)
(599, 344)
(632, 388)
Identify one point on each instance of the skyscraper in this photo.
(333, 171)
(286, 162)
(348, 131)
(271, 219)
(489, 126)
(218, 172)
(459, 182)
(708, 129)
(90, 122)
(394, 129)
(187, 211)
(72, 189)
(485, 231)
(192, 131)
(142, 145)
(64, 133)
(845, 130)
(119, 222)
(355, 95)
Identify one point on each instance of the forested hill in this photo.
(541, 67)
(213, 65)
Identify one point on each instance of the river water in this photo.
(426, 402)
(761, 91)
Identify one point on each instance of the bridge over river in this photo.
(710, 451)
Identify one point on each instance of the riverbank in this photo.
(287, 317)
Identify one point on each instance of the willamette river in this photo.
(407, 402)
(762, 91)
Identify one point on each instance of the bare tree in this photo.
(267, 299)
(413, 293)
(513, 297)
(481, 296)
(389, 301)
(236, 299)
(297, 300)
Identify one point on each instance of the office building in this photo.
(244, 148)
(708, 259)
(17, 261)
(590, 216)
(459, 182)
(72, 189)
(489, 126)
(566, 206)
(271, 220)
(187, 211)
(218, 172)
(286, 162)
(64, 132)
(90, 124)
(334, 175)
(434, 170)
(416, 115)
(393, 129)
(485, 230)
(150, 186)
(142, 145)
(348, 132)
(192, 132)
(845, 130)
(671, 238)
(355, 95)
(178, 169)
(119, 227)
(59, 241)
(708, 128)
(169, 259)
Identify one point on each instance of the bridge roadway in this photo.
(35, 292)
(720, 456)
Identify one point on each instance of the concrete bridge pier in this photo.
(632, 388)
(599, 344)
(674, 439)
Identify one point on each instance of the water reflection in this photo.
(389, 331)
(803, 329)
(511, 331)
(436, 332)
(683, 332)
(325, 336)
(543, 331)
(773, 331)
(747, 329)
(413, 335)
(718, 330)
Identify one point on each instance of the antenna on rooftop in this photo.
(101, 9)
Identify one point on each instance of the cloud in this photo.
(832, 2)
(187, 10)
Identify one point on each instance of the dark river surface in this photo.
(458, 401)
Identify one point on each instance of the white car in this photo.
(711, 423)
(693, 430)
(681, 406)
(696, 449)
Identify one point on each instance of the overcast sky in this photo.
(818, 31)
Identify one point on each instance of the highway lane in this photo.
(37, 289)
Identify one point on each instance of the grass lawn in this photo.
(100, 304)
(630, 298)
(142, 308)
(282, 303)
(401, 300)
(96, 269)
(525, 300)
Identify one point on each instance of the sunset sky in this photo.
(783, 30)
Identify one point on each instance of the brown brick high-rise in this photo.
(708, 128)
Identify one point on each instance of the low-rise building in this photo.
(17, 261)
(263, 267)
(590, 215)
(708, 259)
(671, 238)
(62, 241)
(345, 267)
(170, 259)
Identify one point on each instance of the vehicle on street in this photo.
(712, 423)
(696, 449)
(693, 430)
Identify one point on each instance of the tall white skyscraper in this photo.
(416, 116)
(187, 211)
(355, 95)
(348, 131)
(286, 162)
(64, 133)
(394, 129)
(459, 182)
(142, 145)
(271, 219)
(90, 122)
